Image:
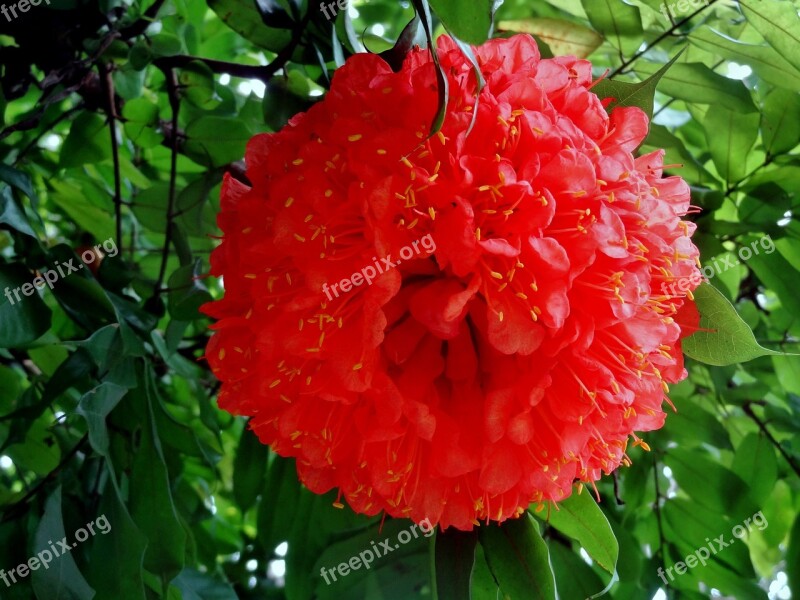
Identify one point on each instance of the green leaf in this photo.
(692, 523)
(197, 85)
(619, 21)
(574, 577)
(793, 555)
(187, 293)
(580, 518)
(56, 577)
(243, 17)
(694, 82)
(632, 94)
(723, 337)
(710, 484)
(519, 559)
(249, 469)
(454, 559)
(95, 406)
(562, 36)
(276, 511)
(442, 83)
(779, 276)
(88, 142)
(194, 585)
(730, 136)
(151, 504)
(468, 21)
(766, 62)
(778, 23)
(216, 141)
(141, 119)
(756, 463)
(780, 121)
(115, 564)
(12, 214)
(24, 318)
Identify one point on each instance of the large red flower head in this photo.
(453, 328)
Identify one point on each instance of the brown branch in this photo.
(107, 82)
(42, 482)
(175, 104)
(661, 37)
(747, 407)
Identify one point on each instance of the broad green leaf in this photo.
(562, 36)
(95, 406)
(116, 559)
(519, 559)
(12, 214)
(484, 587)
(793, 555)
(756, 463)
(249, 469)
(151, 502)
(442, 82)
(56, 577)
(243, 17)
(778, 22)
(194, 585)
(24, 317)
(618, 21)
(187, 292)
(695, 82)
(470, 22)
(216, 141)
(575, 579)
(197, 85)
(38, 452)
(580, 518)
(393, 573)
(723, 338)
(780, 121)
(276, 511)
(710, 484)
(454, 560)
(765, 61)
(88, 142)
(632, 94)
(730, 136)
(778, 275)
(693, 524)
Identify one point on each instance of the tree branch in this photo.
(666, 34)
(747, 407)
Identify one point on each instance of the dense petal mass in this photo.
(453, 328)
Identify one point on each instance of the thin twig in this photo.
(747, 407)
(107, 81)
(42, 482)
(663, 36)
(175, 104)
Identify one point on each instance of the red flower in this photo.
(517, 358)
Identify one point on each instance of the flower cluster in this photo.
(518, 358)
